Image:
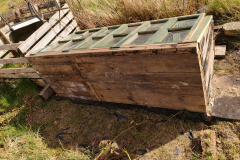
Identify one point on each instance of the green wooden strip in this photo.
(109, 36)
(125, 39)
(201, 28)
(179, 29)
(87, 39)
(160, 34)
(188, 17)
(194, 27)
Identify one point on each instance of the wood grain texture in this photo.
(30, 75)
(13, 46)
(13, 60)
(18, 70)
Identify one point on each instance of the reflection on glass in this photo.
(89, 43)
(107, 32)
(176, 36)
(130, 29)
(153, 26)
(185, 23)
(142, 38)
(71, 44)
(112, 41)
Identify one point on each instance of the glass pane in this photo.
(185, 23)
(53, 47)
(89, 43)
(154, 26)
(107, 32)
(176, 36)
(142, 38)
(70, 45)
(112, 41)
(130, 29)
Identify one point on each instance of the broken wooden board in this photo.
(46, 92)
(220, 51)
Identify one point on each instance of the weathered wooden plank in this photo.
(18, 70)
(152, 66)
(50, 35)
(66, 31)
(42, 30)
(155, 87)
(31, 75)
(63, 69)
(14, 60)
(220, 51)
(150, 99)
(13, 46)
(46, 92)
(180, 78)
(190, 48)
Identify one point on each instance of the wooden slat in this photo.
(143, 65)
(160, 34)
(50, 35)
(42, 30)
(14, 60)
(13, 46)
(18, 70)
(32, 75)
(66, 31)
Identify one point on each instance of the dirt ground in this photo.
(84, 126)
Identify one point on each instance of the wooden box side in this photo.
(206, 47)
(162, 75)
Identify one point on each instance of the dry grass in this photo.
(96, 13)
(224, 10)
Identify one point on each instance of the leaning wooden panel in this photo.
(156, 64)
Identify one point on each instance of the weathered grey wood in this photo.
(66, 31)
(14, 60)
(42, 30)
(51, 34)
(30, 75)
(220, 51)
(18, 70)
(46, 92)
(13, 46)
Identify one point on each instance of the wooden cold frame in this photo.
(105, 64)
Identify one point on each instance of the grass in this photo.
(97, 13)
